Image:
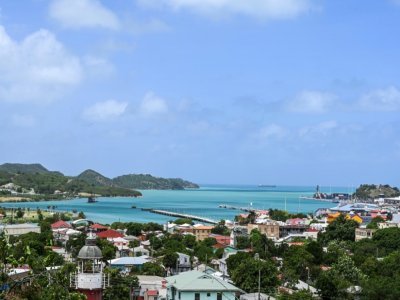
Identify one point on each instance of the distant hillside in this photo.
(373, 191)
(147, 182)
(24, 168)
(35, 181)
(94, 178)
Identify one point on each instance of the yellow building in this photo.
(202, 232)
(354, 217)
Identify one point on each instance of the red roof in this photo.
(221, 239)
(152, 293)
(110, 233)
(60, 224)
(98, 226)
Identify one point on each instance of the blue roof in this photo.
(130, 261)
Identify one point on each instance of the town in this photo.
(351, 251)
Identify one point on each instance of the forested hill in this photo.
(373, 191)
(25, 168)
(146, 182)
(34, 180)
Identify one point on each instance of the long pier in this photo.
(180, 215)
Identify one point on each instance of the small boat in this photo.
(133, 206)
(91, 199)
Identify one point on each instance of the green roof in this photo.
(199, 281)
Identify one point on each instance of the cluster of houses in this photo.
(191, 280)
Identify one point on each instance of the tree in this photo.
(234, 260)
(220, 229)
(387, 239)
(134, 229)
(107, 249)
(296, 263)
(154, 269)
(297, 295)
(374, 222)
(340, 229)
(169, 259)
(249, 271)
(81, 215)
(121, 286)
(20, 213)
(242, 242)
(189, 241)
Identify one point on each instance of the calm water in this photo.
(202, 202)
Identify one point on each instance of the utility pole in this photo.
(257, 257)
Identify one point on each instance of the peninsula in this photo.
(25, 182)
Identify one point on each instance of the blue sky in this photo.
(215, 91)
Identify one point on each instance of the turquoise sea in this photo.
(202, 202)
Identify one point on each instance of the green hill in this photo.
(24, 168)
(373, 191)
(47, 184)
(94, 178)
(146, 182)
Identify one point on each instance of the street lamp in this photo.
(257, 257)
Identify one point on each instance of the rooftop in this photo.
(199, 281)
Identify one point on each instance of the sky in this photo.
(288, 92)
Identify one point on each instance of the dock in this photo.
(180, 215)
(247, 209)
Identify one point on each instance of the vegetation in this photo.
(372, 191)
(148, 182)
(35, 182)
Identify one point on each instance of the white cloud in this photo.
(320, 129)
(83, 13)
(105, 111)
(263, 9)
(153, 105)
(36, 69)
(381, 100)
(314, 102)
(23, 120)
(98, 66)
(272, 131)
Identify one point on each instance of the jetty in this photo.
(180, 215)
(237, 208)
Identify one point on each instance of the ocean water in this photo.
(201, 202)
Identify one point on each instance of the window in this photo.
(196, 296)
(219, 296)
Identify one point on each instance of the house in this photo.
(122, 246)
(125, 264)
(60, 224)
(109, 234)
(364, 233)
(222, 240)
(296, 221)
(256, 296)
(98, 227)
(270, 228)
(202, 232)
(195, 285)
(151, 287)
(311, 233)
(236, 232)
(139, 251)
(184, 263)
